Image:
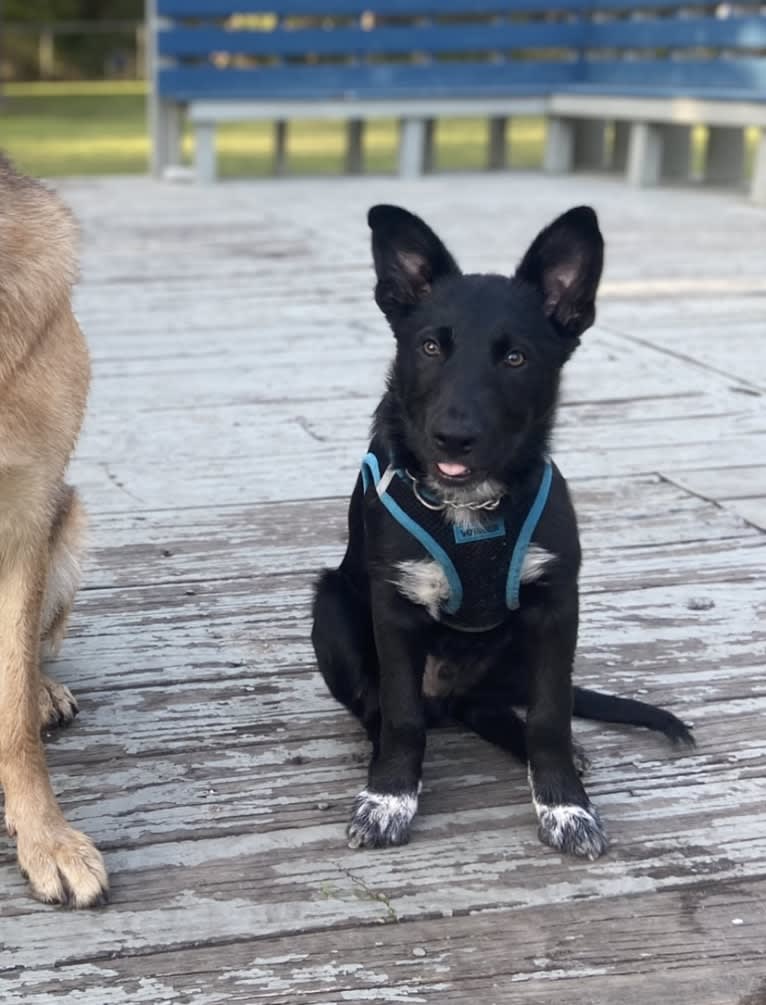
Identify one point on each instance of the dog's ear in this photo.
(564, 263)
(408, 257)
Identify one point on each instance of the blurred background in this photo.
(73, 102)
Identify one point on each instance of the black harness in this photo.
(482, 564)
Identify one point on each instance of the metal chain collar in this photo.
(487, 504)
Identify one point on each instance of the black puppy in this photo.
(457, 597)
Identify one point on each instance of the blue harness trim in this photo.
(371, 474)
(525, 536)
(370, 468)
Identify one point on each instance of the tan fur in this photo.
(44, 374)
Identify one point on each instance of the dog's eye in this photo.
(431, 347)
(515, 358)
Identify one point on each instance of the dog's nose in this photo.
(455, 439)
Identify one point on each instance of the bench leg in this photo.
(559, 146)
(412, 143)
(355, 146)
(166, 124)
(204, 152)
(644, 154)
(758, 184)
(590, 144)
(496, 151)
(676, 152)
(619, 160)
(280, 148)
(429, 147)
(725, 163)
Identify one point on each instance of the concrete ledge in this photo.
(256, 111)
(658, 147)
(682, 111)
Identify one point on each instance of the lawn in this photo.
(54, 129)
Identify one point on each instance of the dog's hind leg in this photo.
(58, 706)
(345, 650)
(494, 720)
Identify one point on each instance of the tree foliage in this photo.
(35, 47)
(71, 10)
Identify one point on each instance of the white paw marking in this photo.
(424, 583)
(536, 561)
(380, 819)
(575, 830)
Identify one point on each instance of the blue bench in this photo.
(653, 69)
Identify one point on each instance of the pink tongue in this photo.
(452, 470)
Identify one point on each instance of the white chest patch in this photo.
(536, 561)
(423, 582)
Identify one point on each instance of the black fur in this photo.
(474, 384)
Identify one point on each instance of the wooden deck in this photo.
(238, 355)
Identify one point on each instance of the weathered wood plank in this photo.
(232, 453)
(129, 547)
(726, 483)
(702, 940)
(752, 510)
(274, 609)
(276, 221)
(738, 350)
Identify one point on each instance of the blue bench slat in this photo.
(384, 8)
(634, 7)
(185, 42)
(748, 33)
(691, 32)
(381, 81)
(630, 74)
(405, 8)
(680, 77)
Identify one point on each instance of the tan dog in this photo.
(44, 374)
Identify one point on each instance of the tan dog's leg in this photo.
(58, 706)
(62, 865)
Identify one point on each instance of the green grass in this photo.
(84, 128)
(52, 129)
(80, 128)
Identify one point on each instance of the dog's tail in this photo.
(608, 708)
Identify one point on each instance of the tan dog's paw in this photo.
(63, 866)
(58, 705)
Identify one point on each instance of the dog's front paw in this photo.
(62, 865)
(381, 819)
(58, 706)
(575, 830)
